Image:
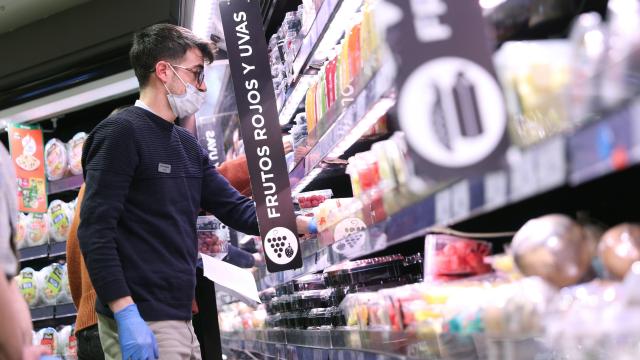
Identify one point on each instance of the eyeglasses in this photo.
(198, 72)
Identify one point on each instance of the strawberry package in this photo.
(312, 199)
(213, 236)
(452, 255)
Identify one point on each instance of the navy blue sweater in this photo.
(146, 180)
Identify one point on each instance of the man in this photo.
(15, 327)
(145, 181)
(82, 291)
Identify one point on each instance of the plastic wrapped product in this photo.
(67, 343)
(313, 199)
(213, 236)
(535, 77)
(48, 337)
(51, 280)
(20, 238)
(451, 255)
(620, 248)
(554, 248)
(65, 293)
(37, 227)
(28, 285)
(60, 218)
(74, 150)
(56, 159)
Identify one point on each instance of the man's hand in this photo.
(306, 225)
(137, 341)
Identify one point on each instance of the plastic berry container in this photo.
(364, 271)
(306, 300)
(307, 282)
(282, 289)
(313, 199)
(451, 255)
(320, 318)
(414, 267)
(267, 295)
(213, 236)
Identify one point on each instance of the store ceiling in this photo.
(17, 13)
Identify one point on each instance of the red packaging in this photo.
(451, 255)
(330, 78)
(354, 52)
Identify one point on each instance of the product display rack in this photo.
(584, 171)
(562, 161)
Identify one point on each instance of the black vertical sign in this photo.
(251, 74)
(449, 102)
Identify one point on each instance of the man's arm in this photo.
(225, 202)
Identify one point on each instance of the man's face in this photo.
(189, 69)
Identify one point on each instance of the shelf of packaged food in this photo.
(53, 315)
(323, 34)
(591, 152)
(44, 252)
(344, 125)
(365, 344)
(66, 184)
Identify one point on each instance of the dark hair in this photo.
(163, 42)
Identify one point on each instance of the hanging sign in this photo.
(449, 102)
(253, 87)
(27, 152)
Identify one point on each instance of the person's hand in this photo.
(306, 225)
(32, 352)
(137, 341)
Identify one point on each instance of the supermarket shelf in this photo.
(69, 183)
(345, 126)
(43, 253)
(599, 149)
(34, 253)
(360, 344)
(53, 315)
(304, 57)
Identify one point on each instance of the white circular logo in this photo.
(452, 111)
(350, 235)
(280, 245)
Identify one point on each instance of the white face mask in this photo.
(188, 103)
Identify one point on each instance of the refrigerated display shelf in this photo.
(375, 344)
(67, 184)
(592, 152)
(43, 253)
(344, 125)
(316, 39)
(53, 315)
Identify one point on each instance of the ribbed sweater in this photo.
(146, 181)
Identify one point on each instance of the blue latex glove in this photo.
(137, 341)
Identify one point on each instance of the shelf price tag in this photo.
(551, 162)
(460, 200)
(495, 189)
(444, 210)
(522, 170)
(255, 97)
